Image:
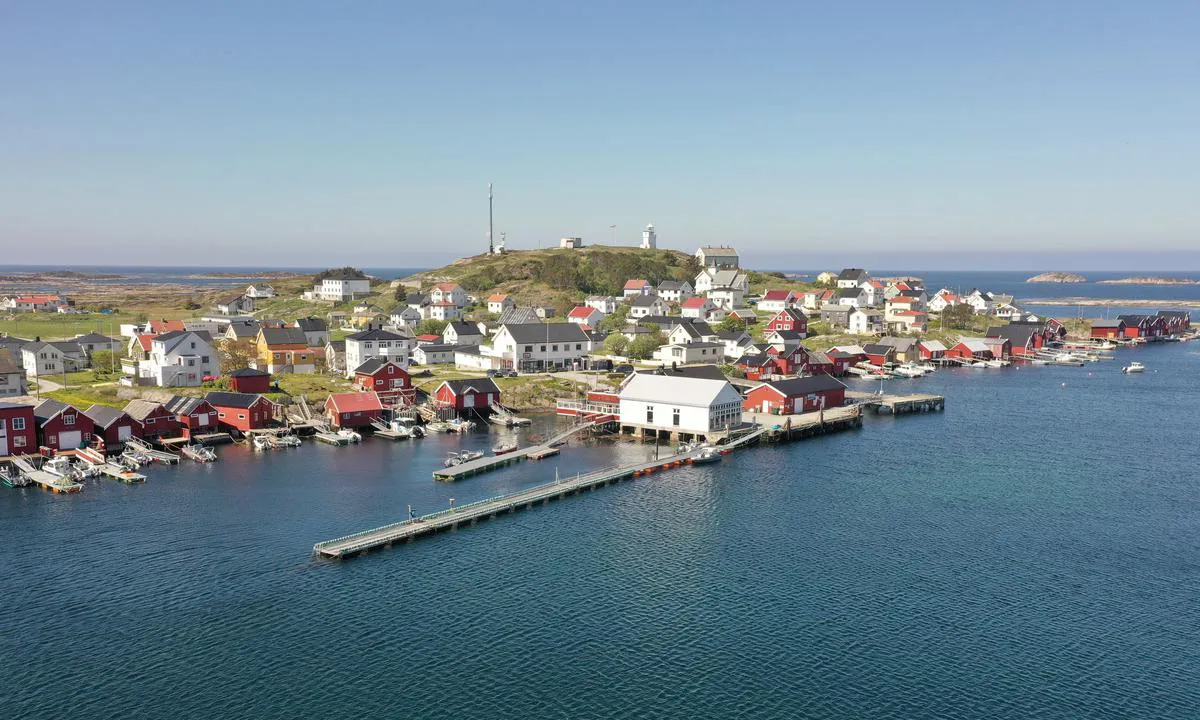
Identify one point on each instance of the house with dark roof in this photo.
(789, 318)
(674, 291)
(340, 286)
(315, 329)
(114, 426)
(537, 346)
(285, 350)
(643, 305)
(156, 420)
(1025, 340)
(194, 415)
(387, 378)
(61, 426)
(907, 349)
(18, 429)
(239, 304)
(241, 330)
(795, 395)
(385, 344)
(468, 394)
(95, 342)
(250, 380)
(242, 411)
(462, 333)
(878, 353)
(1106, 329)
(12, 375)
(710, 372)
(335, 356)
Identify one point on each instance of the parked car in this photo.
(623, 369)
(604, 365)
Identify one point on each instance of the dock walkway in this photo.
(898, 404)
(491, 462)
(484, 509)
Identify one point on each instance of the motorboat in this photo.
(452, 459)
(504, 448)
(909, 370)
(261, 442)
(996, 363)
(1133, 367)
(288, 440)
(707, 455)
(349, 435)
(60, 466)
(460, 426)
(469, 455)
(199, 453)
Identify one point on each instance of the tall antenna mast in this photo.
(491, 247)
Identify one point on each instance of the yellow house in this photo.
(284, 350)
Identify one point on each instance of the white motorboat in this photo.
(461, 426)
(350, 435)
(996, 363)
(452, 459)
(60, 466)
(1133, 367)
(261, 442)
(470, 455)
(199, 453)
(909, 370)
(707, 455)
(288, 440)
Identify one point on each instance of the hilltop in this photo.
(558, 277)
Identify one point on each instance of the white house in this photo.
(12, 377)
(717, 257)
(943, 299)
(40, 358)
(726, 298)
(536, 346)
(684, 333)
(711, 278)
(735, 342)
(368, 344)
(675, 291)
(644, 305)
(434, 354)
(585, 315)
(448, 293)
(462, 333)
(342, 285)
(697, 307)
(181, 358)
(499, 302)
(774, 301)
(260, 292)
(570, 243)
(852, 278)
(404, 316)
(852, 297)
(693, 352)
(447, 311)
(865, 321)
(636, 287)
(236, 305)
(605, 304)
(679, 404)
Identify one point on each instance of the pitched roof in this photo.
(375, 364)
(8, 365)
(284, 336)
(447, 287)
(141, 409)
(671, 285)
(375, 335)
(582, 311)
(312, 324)
(718, 250)
(878, 349)
(337, 345)
(849, 292)
(636, 284)
(1107, 323)
(47, 409)
(478, 385)
(852, 274)
(804, 385)
(709, 372)
(794, 313)
(249, 372)
(463, 328)
(1018, 335)
(726, 277)
(933, 346)
(518, 315)
(184, 405)
(344, 274)
(103, 415)
(497, 297)
(974, 344)
(232, 399)
(787, 334)
(902, 344)
(93, 338)
(354, 402)
(695, 303)
(529, 333)
(242, 329)
(645, 301)
(164, 326)
(777, 295)
(677, 390)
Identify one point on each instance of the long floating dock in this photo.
(491, 462)
(899, 404)
(484, 509)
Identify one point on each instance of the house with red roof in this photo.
(774, 301)
(698, 307)
(353, 409)
(161, 327)
(633, 288)
(499, 302)
(584, 315)
(448, 293)
(943, 299)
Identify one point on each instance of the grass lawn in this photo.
(84, 397)
(84, 377)
(315, 387)
(56, 326)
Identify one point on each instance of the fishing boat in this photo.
(1133, 367)
(60, 466)
(503, 448)
(438, 427)
(349, 435)
(707, 455)
(452, 459)
(994, 364)
(199, 453)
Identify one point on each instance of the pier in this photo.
(484, 509)
(898, 404)
(491, 462)
(797, 427)
(143, 447)
(48, 481)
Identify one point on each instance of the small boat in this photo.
(350, 435)
(909, 370)
(469, 455)
(995, 364)
(460, 426)
(199, 453)
(707, 455)
(261, 442)
(503, 448)
(438, 427)
(59, 466)
(288, 440)
(452, 459)
(1133, 367)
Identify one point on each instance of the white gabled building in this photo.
(537, 346)
(340, 286)
(181, 358)
(499, 302)
(717, 257)
(692, 352)
(604, 303)
(448, 293)
(404, 316)
(644, 305)
(371, 344)
(679, 404)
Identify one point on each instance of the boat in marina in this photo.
(909, 370)
(460, 426)
(261, 442)
(1133, 367)
(458, 458)
(199, 453)
(707, 455)
(287, 440)
(349, 435)
(504, 448)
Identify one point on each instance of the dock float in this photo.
(332, 438)
(120, 474)
(899, 404)
(483, 509)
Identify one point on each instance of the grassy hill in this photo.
(559, 278)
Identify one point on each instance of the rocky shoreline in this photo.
(1114, 302)
(1150, 281)
(1057, 277)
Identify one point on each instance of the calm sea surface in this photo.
(1032, 552)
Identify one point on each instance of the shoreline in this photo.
(1113, 302)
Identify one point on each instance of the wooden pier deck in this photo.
(898, 404)
(120, 474)
(491, 462)
(484, 509)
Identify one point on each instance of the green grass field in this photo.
(50, 326)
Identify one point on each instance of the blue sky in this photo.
(311, 133)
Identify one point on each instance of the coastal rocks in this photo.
(1057, 277)
(1151, 281)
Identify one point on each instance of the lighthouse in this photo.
(649, 239)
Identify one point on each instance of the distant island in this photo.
(1057, 277)
(1142, 280)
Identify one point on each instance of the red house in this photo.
(789, 319)
(62, 427)
(156, 420)
(353, 409)
(1136, 325)
(1176, 321)
(249, 380)
(242, 411)
(194, 415)
(386, 378)
(879, 354)
(970, 349)
(795, 395)
(113, 425)
(1024, 340)
(468, 394)
(1108, 329)
(931, 350)
(18, 429)
(843, 361)
(820, 363)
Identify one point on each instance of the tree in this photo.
(731, 322)
(432, 327)
(960, 316)
(237, 354)
(616, 344)
(616, 320)
(105, 361)
(644, 345)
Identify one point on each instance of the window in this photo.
(241, 416)
(649, 413)
(675, 417)
(19, 441)
(18, 423)
(68, 419)
(528, 348)
(204, 359)
(554, 348)
(578, 346)
(193, 346)
(150, 421)
(52, 440)
(221, 414)
(543, 348)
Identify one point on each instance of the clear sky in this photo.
(318, 132)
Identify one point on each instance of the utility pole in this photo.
(491, 246)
